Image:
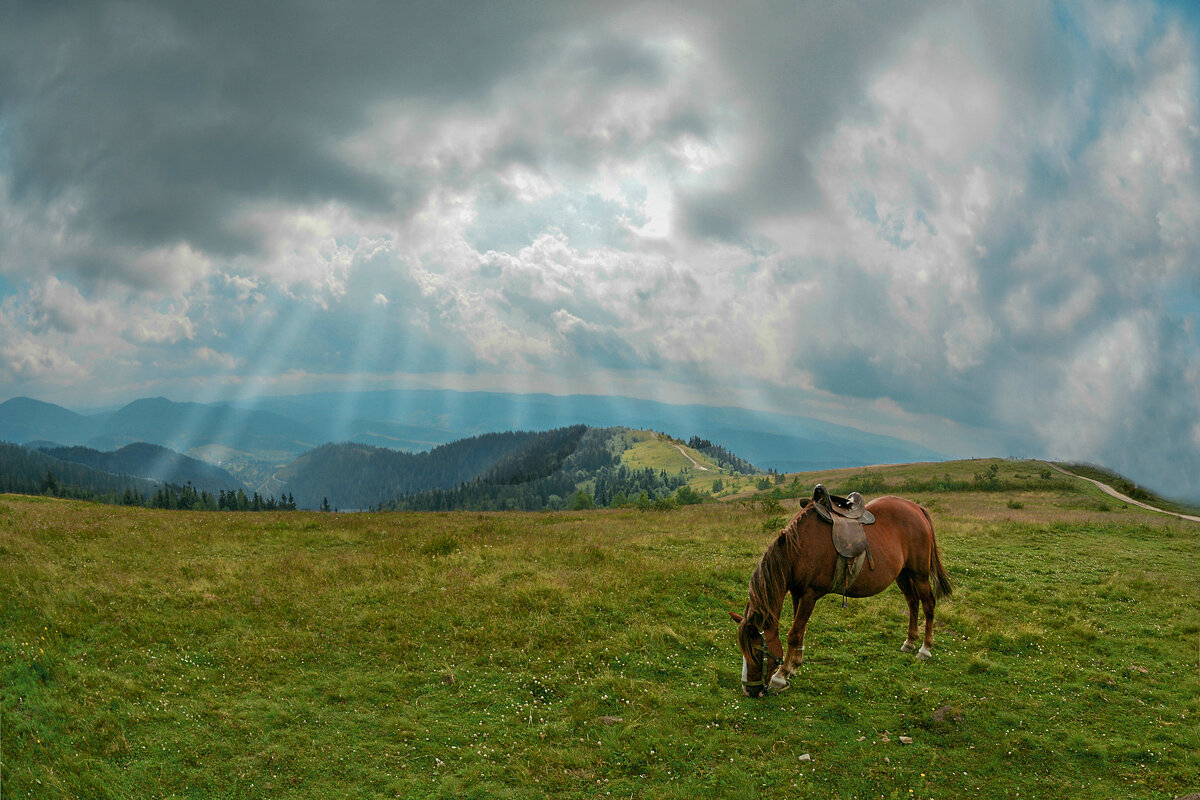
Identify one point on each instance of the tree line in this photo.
(32, 472)
(168, 496)
(724, 458)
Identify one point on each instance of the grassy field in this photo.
(589, 654)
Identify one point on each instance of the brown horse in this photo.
(801, 560)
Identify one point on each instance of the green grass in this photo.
(197, 655)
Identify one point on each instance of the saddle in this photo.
(848, 515)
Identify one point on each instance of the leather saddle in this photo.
(848, 515)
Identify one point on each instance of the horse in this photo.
(802, 560)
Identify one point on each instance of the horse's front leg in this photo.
(802, 608)
(775, 649)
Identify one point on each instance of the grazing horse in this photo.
(802, 560)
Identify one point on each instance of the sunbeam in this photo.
(363, 365)
(920, 236)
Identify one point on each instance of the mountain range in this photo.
(278, 445)
(252, 439)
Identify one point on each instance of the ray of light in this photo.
(268, 342)
(364, 362)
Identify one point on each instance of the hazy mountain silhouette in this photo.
(277, 429)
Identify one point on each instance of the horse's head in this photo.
(768, 586)
(755, 655)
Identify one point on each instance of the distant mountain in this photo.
(178, 426)
(421, 416)
(181, 426)
(152, 462)
(23, 419)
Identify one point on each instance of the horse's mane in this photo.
(769, 581)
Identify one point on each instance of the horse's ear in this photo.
(736, 617)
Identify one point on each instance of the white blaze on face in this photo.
(745, 670)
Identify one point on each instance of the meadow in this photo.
(150, 653)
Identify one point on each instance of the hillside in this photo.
(515, 470)
(359, 476)
(25, 471)
(584, 654)
(153, 463)
(605, 467)
(557, 468)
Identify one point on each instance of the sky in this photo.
(970, 225)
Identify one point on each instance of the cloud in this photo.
(26, 359)
(159, 121)
(59, 306)
(944, 221)
(1004, 239)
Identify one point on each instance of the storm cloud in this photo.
(973, 228)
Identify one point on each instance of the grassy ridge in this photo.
(1131, 489)
(657, 452)
(177, 654)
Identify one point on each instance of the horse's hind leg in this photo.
(925, 592)
(904, 581)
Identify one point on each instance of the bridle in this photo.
(763, 655)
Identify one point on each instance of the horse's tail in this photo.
(939, 578)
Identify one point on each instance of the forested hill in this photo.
(723, 457)
(357, 476)
(517, 470)
(155, 463)
(556, 472)
(25, 471)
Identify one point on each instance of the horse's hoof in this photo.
(924, 653)
(779, 684)
(907, 647)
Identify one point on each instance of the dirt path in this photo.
(695, 463)
(1104, 487)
